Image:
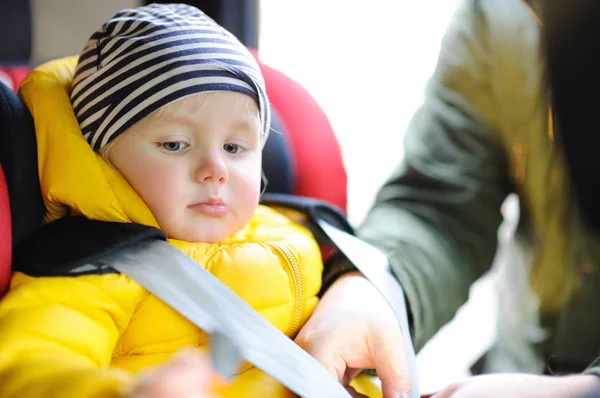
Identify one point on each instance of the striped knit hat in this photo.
(145, 58)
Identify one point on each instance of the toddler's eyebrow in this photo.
(247, 123)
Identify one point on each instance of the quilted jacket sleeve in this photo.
(57, 335)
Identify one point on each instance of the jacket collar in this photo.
(73, 178)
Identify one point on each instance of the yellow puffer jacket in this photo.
(88, 336)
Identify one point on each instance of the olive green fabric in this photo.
(484, 132)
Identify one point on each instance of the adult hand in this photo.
(522, 386)
(354, 328)
(189, 374)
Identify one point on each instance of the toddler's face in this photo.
(197, 164)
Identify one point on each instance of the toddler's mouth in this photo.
(213, 206)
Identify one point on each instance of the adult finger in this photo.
(391, 365)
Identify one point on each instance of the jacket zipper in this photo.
(291, 261)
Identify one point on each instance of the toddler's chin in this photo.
(196, 236)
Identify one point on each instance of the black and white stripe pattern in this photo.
(145, 58)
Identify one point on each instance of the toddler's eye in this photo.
(174, 146)
(232, 148)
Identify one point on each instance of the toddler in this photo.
(160, 121)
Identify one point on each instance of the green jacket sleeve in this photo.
(438, 215)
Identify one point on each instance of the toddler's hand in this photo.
(188, 375)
